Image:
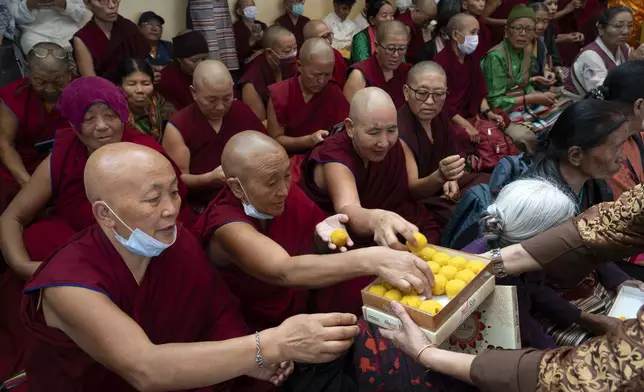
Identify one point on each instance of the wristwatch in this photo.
(486, 112)
(498, 267)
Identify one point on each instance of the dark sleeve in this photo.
(611, 276)
(508, 371)
(227, 321)
(547, 301)
(427, 51)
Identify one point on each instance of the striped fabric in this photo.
(213, 19)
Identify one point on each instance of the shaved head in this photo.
(418, 71)
(368, 101)
(427, 7)
(315, 29)
(247, 150)
(51, 61)
(459, 22)
(119, 169)
(211, 72)
(316, 50)
(391, 28)
(273, 35)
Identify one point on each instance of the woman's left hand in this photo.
(497, 119)
(632, 283)
(408, 337)
(325, 228)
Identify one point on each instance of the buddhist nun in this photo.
(420, 14)
(293, 20)
(319, 29)
(196, 135)
(302, 110)
(385, 69)
(132, 303)
(476, 8)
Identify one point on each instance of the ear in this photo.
(298, 66)
(103, 215)
(193, 91)
(575, 156)
(233, 184)
(348, 127)
(638, 107)
(406, 92)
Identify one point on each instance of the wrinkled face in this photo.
(342, 10)
(139, 89)
(149, 202)
(189, 64)
(152, 30)
(316, 74)
(101, 125)
(473, 7)
(542, 23)
(605, 160)
(48, 84)
(552, 8)
(520, 33)
(375, 133)
(427, 97)
(391, 51)
(105, 10)
(618, 29)
(283, 48)
(470, 27)
(213, 99)
(267, 185)
(385, 14)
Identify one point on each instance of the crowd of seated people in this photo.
(167, 226)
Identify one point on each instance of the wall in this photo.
(174, 11)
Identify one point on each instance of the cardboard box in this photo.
(377, 309)
(628, 302)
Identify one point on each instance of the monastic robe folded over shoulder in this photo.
(260, 75)
(340, 69)
(242, 41)
(175, 86)
(180, 299)
(375, 77)
(35, 124)
(416, 39)
(325, 109)
(126, 41)
(485, 40)
(381, 185)
(297, 29)
(206, 145)
(265, 305)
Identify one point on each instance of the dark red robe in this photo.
(416, 39)
(206, 145)
(375, 77)
(180, 299)
(260, 74)
(296, 29)
(485, 40)
(341, 69)
(502, 12)
(325, 109)
(35, 124)
(242, 41)
(175, 86)
(126, 41)
(581, 20)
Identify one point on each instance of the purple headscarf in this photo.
(82, 93)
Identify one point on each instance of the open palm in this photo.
(328, 226)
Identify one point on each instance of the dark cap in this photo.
(148, 16)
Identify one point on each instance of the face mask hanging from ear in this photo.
(140, 243)
(469, 45)
(250, 209)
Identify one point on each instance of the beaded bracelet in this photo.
(258, 358)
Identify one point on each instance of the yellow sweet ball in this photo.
(466, 275)
(386, 285)
(421, 242)
(412, 301)
(459, 262)
(475, 266)
(432, 307)
(426, 253)
(378, 289)
(449, 271)
(453, 287)
(394, 295)
(439, 285)
(434, 266)
(441, 258)
(339, 237)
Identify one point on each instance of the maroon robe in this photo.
(126, 41)
(581, 20)
(502, 12)
(35, 124)
(175, 86)
(325, 109)
(181, 299)
(206, 145)
(242, 41)
(485, 40)
(416, 39)
(375, 77)
(340, 69)
(296, 29)
(260, 74)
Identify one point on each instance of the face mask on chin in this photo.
(249, 208)
(286, 64)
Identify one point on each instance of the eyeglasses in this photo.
(522, 29)
(106, 2)
(392, 50)
(41, 53)
(152, 24)
(422, 95)
(622, 27)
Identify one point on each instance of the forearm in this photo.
(484, 105)
(505, 103)
(518, 261)
(427, 187)
(294, 145)
(494, 21)
(13, 248)
(13, 162)
(454, 364)
(565, 11)
(360, 219)
(195, 181)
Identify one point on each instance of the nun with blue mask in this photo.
(294, 19)
(248, 31)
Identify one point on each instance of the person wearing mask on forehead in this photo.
(248, 31)
(364, 43)
(319, 29)
(277, 63)
(293, 19)
(106, 39)
(341, 26)
(420, 14)
(161, 53)
(190, 49)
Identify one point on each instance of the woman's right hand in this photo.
(545, 99)
(408, 337)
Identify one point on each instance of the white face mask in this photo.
(403, 5)
(469, 45)
(139, 242)
(250, 13)
(250, 209)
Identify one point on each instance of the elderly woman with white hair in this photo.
(523, 209)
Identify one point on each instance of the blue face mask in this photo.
(250, 209)
(140, 243)
(298, 9)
